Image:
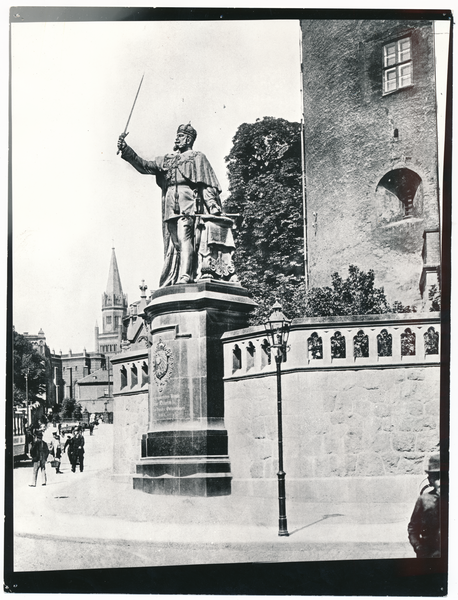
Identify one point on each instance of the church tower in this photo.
(108, 338)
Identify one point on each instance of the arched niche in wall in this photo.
(399, 196)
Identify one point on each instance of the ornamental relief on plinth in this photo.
(162, 364)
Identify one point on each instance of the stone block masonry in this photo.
(370, 153)
(352, 430)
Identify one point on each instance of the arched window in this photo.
(250, 353)
(315, 346)
(407, 343)
(145, 373)
(402, 183)
(361, 345)
(123, 377)
(265, 354)
(384, 343)
(431, 338)
(338, 345)
(133, 376)
(236, 358)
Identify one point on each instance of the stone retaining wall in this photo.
(130, 422)
(367, 427)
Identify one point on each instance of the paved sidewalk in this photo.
(119, 526)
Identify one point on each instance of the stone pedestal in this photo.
(184, 451)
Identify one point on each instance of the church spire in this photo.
(114, 287)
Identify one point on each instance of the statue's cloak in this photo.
(196, 169)
(193, 165)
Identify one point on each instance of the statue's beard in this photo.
(175, 148)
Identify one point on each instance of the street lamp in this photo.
(277, 327)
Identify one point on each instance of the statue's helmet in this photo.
(188, 130)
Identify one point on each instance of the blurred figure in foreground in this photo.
(424, 527)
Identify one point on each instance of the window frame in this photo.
(395, 63)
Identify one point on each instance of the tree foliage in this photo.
(28, 364)
(71, 409)
(355, 295)
(264, 168)
(265, 185)
(434, 297)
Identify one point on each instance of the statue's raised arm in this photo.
(198, 240)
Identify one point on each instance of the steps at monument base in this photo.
(184, 476)
(184, 467)
(200, 484)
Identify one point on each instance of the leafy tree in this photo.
(435, 298)
(29, 371)
(355, 295)
(71, 409)
(399, 307)
(264, 168)
(78, 412)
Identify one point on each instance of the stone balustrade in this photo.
(370, 341)
(130, 372)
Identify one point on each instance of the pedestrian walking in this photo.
(424, 527)
(39, 453)
(79, 447)
(69, 447)
(57, 448)
(76, 449)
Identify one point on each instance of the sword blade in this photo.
(133, 105)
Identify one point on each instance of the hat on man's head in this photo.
(188, 130)
(434, 464)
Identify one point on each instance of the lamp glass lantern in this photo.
(278, 327)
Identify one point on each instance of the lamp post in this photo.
(277, 327)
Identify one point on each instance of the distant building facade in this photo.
(85, 376)
(371, 158)
(93, 392)
(63, 371)
(77, 366)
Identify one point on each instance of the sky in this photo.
(73, 86)
(73, 198)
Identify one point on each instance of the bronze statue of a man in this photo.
(191, 211)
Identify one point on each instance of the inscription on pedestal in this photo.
(169, 409)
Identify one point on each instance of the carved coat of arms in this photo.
(162, 360)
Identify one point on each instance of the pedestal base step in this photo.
(184, 476)
(200, 484)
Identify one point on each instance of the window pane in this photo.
(389, 55)
(405, 75)
(404, 50)
(390, 80)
